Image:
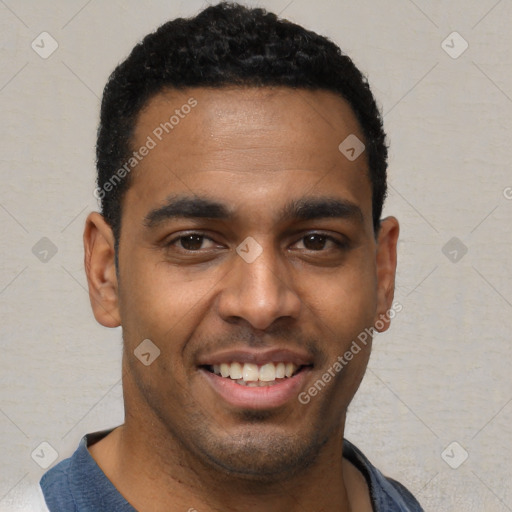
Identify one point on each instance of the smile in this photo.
(253, 375)
(250, 379)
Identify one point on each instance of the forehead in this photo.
(247, 143)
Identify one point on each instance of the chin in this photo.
(262, 456)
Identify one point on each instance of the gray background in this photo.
(440, 375)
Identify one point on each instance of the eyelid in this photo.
(342, 240)
(175, 237)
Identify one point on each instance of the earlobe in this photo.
(386, 260)
(99, 259)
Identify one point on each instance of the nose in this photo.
(259, 292)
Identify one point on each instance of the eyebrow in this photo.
(311, 208)
(306, 208)
(188, 207)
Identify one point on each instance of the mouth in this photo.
(256, 381)
(254, 375)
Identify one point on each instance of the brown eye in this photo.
(191, 242)
(315, 242)
(321, 243)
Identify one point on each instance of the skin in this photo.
(253, 150)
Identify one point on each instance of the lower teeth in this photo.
(258, 383)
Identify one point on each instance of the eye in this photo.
(318, 242)
(191, 242)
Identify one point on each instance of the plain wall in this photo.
(442, 372)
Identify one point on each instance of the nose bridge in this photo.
(257, 288)
(261, 274)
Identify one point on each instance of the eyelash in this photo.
(342, 245)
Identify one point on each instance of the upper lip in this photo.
(259, 357)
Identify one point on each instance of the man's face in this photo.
(247, 241)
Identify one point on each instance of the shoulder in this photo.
(387, 494)
(56, 488)
(397, 493)
(61, 484)
(78, 484)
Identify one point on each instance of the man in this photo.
(242, 172)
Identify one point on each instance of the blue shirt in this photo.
(78, 484)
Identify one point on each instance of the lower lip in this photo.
(263, 397)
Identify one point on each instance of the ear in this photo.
(386, 270)
(101, 270)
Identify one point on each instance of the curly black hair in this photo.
(228, 45)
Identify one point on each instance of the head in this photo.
(227, 45)
(235, 229)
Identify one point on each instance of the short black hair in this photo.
(228, 45)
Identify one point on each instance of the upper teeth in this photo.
(250, 372)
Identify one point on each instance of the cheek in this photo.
(346, 301)
(160, 302)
